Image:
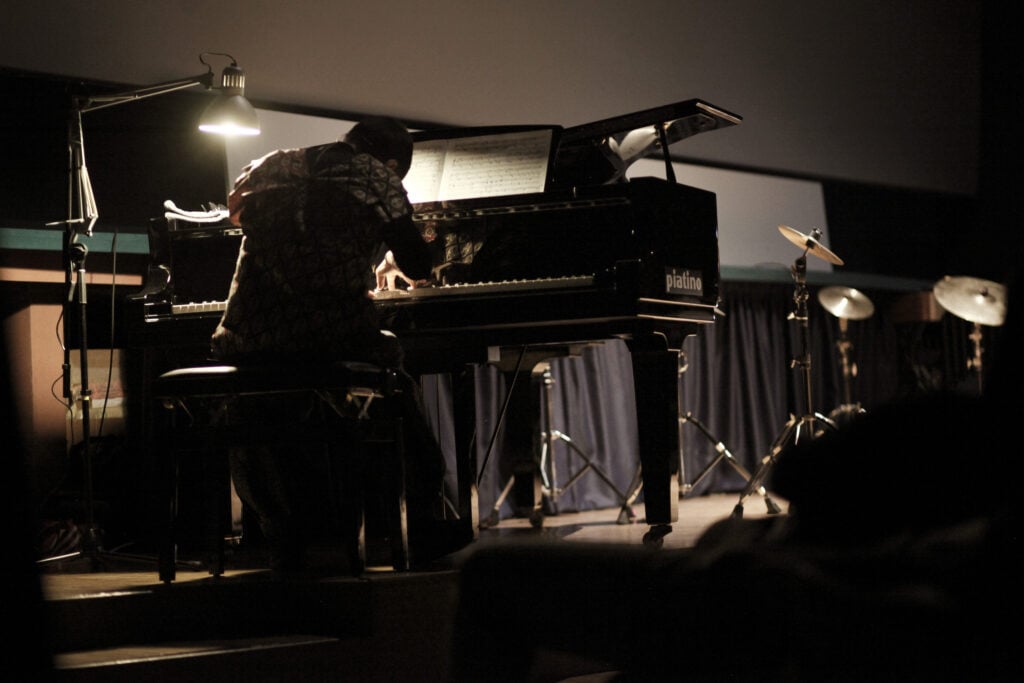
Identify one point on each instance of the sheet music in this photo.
(479, 166)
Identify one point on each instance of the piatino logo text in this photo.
(683, 282)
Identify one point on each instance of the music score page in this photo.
(479, 166)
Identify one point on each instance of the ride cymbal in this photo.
(810, 243)
(973, 299)
(846, 302)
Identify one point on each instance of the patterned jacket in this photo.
(314, 221)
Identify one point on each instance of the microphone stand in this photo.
(76, 252)
(82, 215)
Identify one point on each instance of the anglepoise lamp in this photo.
(229, 114)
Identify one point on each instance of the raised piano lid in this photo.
(597, 153)
(600, 152)
(682, 119)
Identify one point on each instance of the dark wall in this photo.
(34, 139)
(997, 234)
(138, 154)
(27, 649)
(901, 233)
(144, 152)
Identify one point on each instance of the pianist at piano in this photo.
(540, 248)
(313, 220)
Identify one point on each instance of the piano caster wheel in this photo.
(655, 536)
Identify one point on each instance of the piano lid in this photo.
(504, 161)
(602, 151)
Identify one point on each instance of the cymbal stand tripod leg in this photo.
(494, 518)
(724, 454)
(791, 433)
(547, 459)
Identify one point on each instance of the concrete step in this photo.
(278, 658)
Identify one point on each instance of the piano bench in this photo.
(361, 410)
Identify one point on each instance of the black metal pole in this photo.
(800, 314)
(91, 540)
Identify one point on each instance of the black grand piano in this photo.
(552, 248)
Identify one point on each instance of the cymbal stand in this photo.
(974, 363)
(980, 302)
(849, 371)
(797, 427)
(548, 473)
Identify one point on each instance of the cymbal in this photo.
(973, 299)
(846, 302)
(810, 243)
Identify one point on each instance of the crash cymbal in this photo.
(973, 299)
(810, 243)
(846, 302)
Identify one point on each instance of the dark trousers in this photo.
(292, 489)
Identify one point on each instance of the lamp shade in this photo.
(230, 115)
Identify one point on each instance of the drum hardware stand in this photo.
(723, 455)
(848, 408)
(846, 304)
(974, 362)
(549, 482)
(849, 369)
(547, 459)
(977, 301)
(494, 518)
(805, 425)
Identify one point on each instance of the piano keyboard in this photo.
(486, 288)
(199, 307)
(481, 288)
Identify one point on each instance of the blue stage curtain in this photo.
(739, 380)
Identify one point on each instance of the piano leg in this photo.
(464, 422)
(655, 379)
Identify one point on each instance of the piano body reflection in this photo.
(584, 256)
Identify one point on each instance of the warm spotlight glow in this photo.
(231, 116)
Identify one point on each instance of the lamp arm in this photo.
(92, 103)
(81, 201)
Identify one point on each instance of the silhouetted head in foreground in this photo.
(926, 463)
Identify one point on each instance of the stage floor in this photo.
(125, 624)
(591, 526)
